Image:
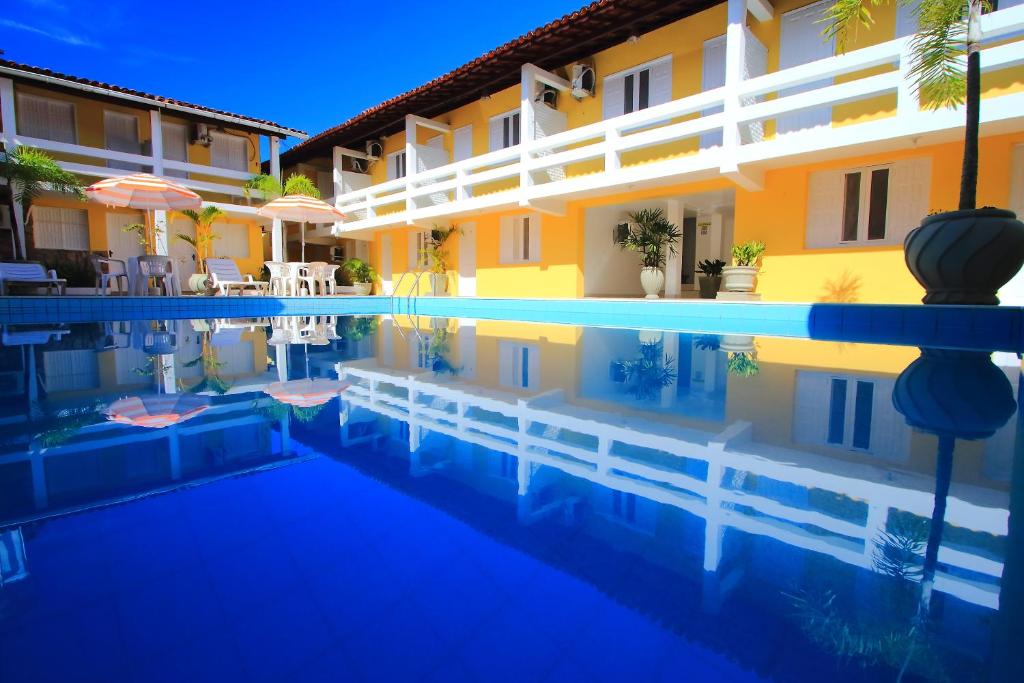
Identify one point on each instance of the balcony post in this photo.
(411, 163)
(277, 227)
(527, 87)
(906, 95)
(10, 130)
(156, 138)
(735, 48)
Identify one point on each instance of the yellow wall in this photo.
(790, 271)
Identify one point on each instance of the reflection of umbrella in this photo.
(143, 191)
(306, 393)
(156, 411)
(302, 209)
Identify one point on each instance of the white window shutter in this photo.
(906, 18)
(909, 189)
(824, 208)
(755, 64)
(614, 90)
(812, 402)
(661, 83)
(462, 144)
(713, 77)
(495, 138)
(534, 238)
(506, 239)
(533, 366)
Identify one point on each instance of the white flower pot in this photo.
(649, 336)
(739, 278)
(653, 281)
(737, 343)
(362, 288)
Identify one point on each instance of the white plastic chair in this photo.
(110, 271)
(280, 278)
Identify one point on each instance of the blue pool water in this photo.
(403, 499)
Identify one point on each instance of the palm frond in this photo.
(300, 184)
(844, 17)
(267, 185)
(939, 49)
(31, 171)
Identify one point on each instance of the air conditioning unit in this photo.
(621, 232)
(584, 81)
(201, 135)
(547, 95)
(337, 253)
(375, 149)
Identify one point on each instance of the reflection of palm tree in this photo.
(437, 353)
(211, 365)
(650, 372)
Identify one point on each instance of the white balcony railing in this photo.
(753, 102)
(531, 429)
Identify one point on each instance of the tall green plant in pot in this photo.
(436, 252)
(362, 274)
(740, 276)
(962, 256)
(201, 242)
(654, 237)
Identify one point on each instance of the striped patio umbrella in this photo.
(144, 191)
(157, 411)
(300, 209)
(306, 393)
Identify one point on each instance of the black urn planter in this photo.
(709, 285)
(964, 257)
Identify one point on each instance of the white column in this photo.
(10, 129)
(277, 236)
(734, 57)
(174, 451)
(160, 232)
(527, 88)
(674, 211)
(338, 163)
(410, 158)
(156, 136)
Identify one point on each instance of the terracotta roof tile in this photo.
(577, 35)
(116, 89)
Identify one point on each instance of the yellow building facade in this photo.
(537, 174)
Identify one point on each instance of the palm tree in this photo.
(29, 172)
(204, 234)
(272, 188)
(947, 31)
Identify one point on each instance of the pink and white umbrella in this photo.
(301, 209)
(157, 411)
(144, 191)
(306, 393)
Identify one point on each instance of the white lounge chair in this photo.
(225, 276)
(29, 274)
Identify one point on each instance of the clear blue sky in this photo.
(308, 65)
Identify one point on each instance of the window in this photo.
(419, 241)
(849, 412)
(70, 370)
(229, 151)
(232, 241)
(638, 88)
(121, 134)
(518, 365)
(396, 165)
(54, 228)
(866, 206)
(175, 139)
(42, 117)
(504, 130)
(520, 239)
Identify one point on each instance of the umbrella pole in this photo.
(302, 238)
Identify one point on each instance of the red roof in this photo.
(36, 73)
(575, 36)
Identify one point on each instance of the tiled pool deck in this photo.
(994, 328)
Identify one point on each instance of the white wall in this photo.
(607, 269)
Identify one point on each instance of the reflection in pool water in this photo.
(482, 500)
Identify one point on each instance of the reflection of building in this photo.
(774, 458)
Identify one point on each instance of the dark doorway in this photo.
(689, 250)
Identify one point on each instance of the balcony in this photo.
(681, 141)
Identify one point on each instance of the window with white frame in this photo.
(232, 240)
(46, 118)
(396, 165)
(229, 151)
(57, 228)
(638, 88)
(518, 365)
(504, 130)
(419, 242)
(121, 134)
(869, 205)
(175, 143)
(849, 412)
(520, 239)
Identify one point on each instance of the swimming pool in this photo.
(402, 498)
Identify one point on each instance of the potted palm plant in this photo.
(437, 253)
(740, 276)
(362, 275)
(654, 237)
(962, 256)
(201, 242)
(711, 277)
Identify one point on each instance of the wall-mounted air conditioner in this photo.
(621, 232)
(201, 135)
(338, 253)
(584, 81)
(375, 149)
(547, 95)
